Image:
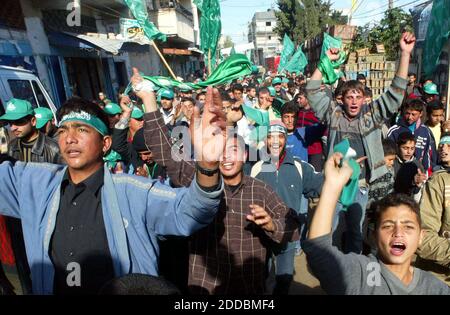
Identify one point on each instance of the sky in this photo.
(236, 14)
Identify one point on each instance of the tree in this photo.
(387, 32)
(394, 23)
(228, 42)
(305, 19)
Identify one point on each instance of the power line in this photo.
(376, 9)
(401, 6)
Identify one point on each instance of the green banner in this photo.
(139, 11)
(437, 34)
(233, 67)
(210, 27)
(288, 50)
(298, 62)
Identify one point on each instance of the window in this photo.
(40, 96)
(268, 23)
(22, 89)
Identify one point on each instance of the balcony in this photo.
(174, 19)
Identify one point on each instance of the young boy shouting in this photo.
(398, 234)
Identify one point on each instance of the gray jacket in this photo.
(371, 119)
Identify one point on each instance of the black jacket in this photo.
(45, 149)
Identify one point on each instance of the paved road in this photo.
(304, 283)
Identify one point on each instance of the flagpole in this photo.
(447, 108)
(209, 62)
(164, 60)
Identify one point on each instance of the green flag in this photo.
(330, 42)
(210, 27)
(139, 11)
(298, 61)
(437, 34)
(286, 53)
(232, 68)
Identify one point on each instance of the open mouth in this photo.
(73, 153)
(227, 166)
(397, 248)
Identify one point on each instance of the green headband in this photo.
(88, 119)
(445, 140)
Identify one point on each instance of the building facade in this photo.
(261, 33)
(76, 48)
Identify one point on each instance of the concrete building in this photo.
(261, 33)
(76, 48)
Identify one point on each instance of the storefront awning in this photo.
(82, 41)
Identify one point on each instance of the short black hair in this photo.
(78, 104)
(264, 90)
(412, 74)
(434, 105)
(188, 99)
(360, 76)
(237, 87)
(405, 137)
(389, 147)
(139, 284)
(291, 108)
(227, 98)
(395, 200)
(414, 104)
(199, 94)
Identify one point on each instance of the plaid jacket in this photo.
(229, 255)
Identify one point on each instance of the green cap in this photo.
(112, 109)
(43, 115)
(17, 109)
(285, 80)
(430, 88)
(167, 94)
(276, 81)
(137, 113)
(272, 91)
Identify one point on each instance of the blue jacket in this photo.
(136, 211)
(287, 182)
(425, 146)
(296, 144)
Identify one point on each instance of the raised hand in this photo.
(261, 218)
(407, 42)
(125, 103)
(141, 87)
(339, 176)
(333, 54)
(208, 132)
(420, 178)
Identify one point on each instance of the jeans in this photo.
(284, 267)
(350, 238)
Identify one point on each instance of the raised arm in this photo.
(180, 171)
(389, 102)
(318, 99)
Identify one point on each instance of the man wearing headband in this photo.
(84, 226)
(291, 179)
(434, 254)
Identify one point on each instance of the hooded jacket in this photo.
(425, 146)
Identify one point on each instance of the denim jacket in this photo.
(136, 211)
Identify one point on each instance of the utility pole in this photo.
(391, 4)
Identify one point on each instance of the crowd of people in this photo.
(180, 191)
